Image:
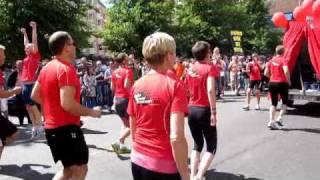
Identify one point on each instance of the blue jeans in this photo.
(109, 95)
(91, 102)
(101, 94)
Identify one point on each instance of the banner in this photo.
(237, 41)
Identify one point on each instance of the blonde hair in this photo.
(2, 47)
(280, 50)
(215, 50)
(156, 46)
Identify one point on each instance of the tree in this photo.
(130, 21)
(50, 15)
(261, 36)
(213, 20)
(188, 21)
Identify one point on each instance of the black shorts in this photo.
(121, 105)
(26, 94)
(67, 144)
(7, 129)
(141, 173)
(277, 89)
(199, 124)
(255, 84)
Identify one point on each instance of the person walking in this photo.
(253, 69)
(278, 72)
(121, 81)
(202, 119)
(157, 107)
(234, 74)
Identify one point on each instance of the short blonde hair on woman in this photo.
(2, 47)
(156, 46)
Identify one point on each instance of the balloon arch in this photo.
(305, 26)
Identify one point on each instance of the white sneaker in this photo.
(36, 132)
(272, 126)
(115, 146)
(257, 107)
(124, 149)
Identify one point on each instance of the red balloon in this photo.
(279, 20)
(299, 14)
(307, 6)
(316, 9)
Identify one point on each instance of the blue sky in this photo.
(105, 3)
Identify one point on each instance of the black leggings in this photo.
(277, 89)
(140, 173)
(199, 124)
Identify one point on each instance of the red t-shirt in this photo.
(2, 81)
(196, 82)
(53, 76)
(275, 66)
(118, 78)
(152, 99)
(30, 66)
(254, 71)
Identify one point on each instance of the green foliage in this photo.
(130, 21)
(50, 15)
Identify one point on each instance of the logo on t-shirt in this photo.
(193, 73)
(142, 98)
(275, 64)
(118, 76)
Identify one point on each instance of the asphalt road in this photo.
(247, 150)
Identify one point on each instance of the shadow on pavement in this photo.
(25, 172)
(97, 148)
(213, 175)
(90, 131)
(123, 158)
(24, 134)
(309, 130)
(309, 109)
(229, 100)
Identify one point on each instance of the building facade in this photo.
(285, 6)
(96, 18)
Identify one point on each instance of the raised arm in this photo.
(25, 36)
(34, 36)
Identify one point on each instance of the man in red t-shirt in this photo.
(121, 82)
(58, 91)
(254, 71)
(8, 131)
(30, 64)
(278, 71)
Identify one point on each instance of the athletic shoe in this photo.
(115, 146)
(272, 126)
(124, 150)
(246, 108)
(257, 107)
(279, 121)
(35, 134)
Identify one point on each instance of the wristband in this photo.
(213, 111)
